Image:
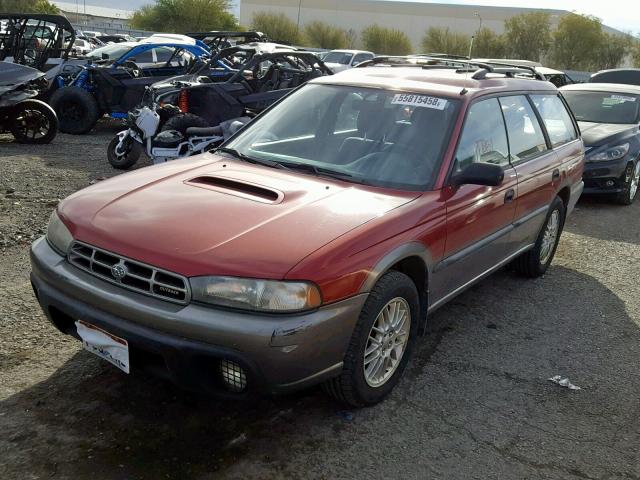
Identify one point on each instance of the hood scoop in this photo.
(238, 188)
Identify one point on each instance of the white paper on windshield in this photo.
(623, 98)
(419, 101)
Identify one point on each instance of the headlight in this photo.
(253, 294)
(58, 234)
(612, 153)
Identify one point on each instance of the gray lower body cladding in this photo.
(184, 343)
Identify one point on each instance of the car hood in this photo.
(211, 215)
(13, 75)
(596, 134)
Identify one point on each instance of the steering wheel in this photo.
(133, 68)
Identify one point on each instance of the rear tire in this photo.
(124, 161)
(76, 108)
(33, 121)
(536, 261)
(631, 184)
(358, 385)
(182, 121)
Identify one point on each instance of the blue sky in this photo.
(620, 14)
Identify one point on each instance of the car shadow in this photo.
(594, 216)
(483, 367)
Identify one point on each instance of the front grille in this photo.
(130, 274)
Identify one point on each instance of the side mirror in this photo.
(480, 174)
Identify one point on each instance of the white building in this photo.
(413, 18)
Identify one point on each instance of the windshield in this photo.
(338, 57)
(112, 52)
(603, 107)
(361, 135)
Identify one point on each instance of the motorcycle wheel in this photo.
(33, 122)
(125, 160)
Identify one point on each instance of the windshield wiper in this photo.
(258, 161)
(322, 172)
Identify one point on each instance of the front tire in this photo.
(126, 159)
(76, 108)
(536, 261)
(381, 343)
(631, 184)
(34, 122)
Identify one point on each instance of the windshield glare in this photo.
(113, 51)
(338, 57)
(603, 107)
(363, 135)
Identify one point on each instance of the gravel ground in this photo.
(475, 402)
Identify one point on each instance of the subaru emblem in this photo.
(119, 271)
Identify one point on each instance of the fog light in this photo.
(610, 183)
(233, 376)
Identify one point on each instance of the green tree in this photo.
(577, 42)
(182, 16)
(322, 35)
(28, 6)
(386, 41)
(277, 26)
(488, 44)
(527, 36)
(613, 50)
(635, 53)
(443, 40)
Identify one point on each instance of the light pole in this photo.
(480, 18)
(299, 8)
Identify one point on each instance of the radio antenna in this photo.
(473, 37)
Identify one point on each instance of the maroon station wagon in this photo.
(313, 245)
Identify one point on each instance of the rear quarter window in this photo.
(556, 118)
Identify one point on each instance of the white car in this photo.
(339, 60)
(80, 47)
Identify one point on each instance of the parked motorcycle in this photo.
(164, 133)
(29, 120)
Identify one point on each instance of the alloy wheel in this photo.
(32, 124)
(387, 342)
(550, 236)
(635, 181)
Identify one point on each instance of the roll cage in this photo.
(32, 39)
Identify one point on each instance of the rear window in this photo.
(603, 107)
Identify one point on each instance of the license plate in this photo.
(113, 349)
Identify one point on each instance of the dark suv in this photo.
(313, 245)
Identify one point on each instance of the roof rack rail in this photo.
(462, 65)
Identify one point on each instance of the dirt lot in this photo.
(475, 402)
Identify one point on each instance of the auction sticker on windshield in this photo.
(113, 349)
(419, 101)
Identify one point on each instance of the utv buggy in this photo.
(190, 114)
(29, 120)
(42, 42)
(218, 40)
(112, 79)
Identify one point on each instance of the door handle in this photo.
(509, 196)
(555, 175)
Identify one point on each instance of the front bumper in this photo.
(185, 344)
(604, 177)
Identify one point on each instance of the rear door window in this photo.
(526, 139)
(483, 138)
(556, 119)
